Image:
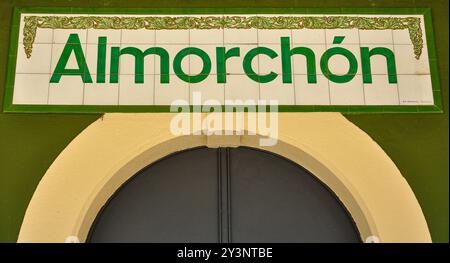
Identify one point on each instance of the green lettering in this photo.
(247, 64)
(343, 52)
(139, 62)
(390, 63)
(101, 59)
(192, 78)
(287, 52)
(72, 45)
(222, 57)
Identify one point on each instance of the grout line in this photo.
(189, 67)
(50, 68)
(84, 70)
(243, 44)
(302, 74)
(119, 70)
(292, 70)
(240, 74)
(328, 81)
(154, 69)
(362, 82)
(224, 84)
(393, 48)
(259, 65)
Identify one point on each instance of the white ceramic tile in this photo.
(132, 93)
(128, 62)
(311, 93)
(172, 36)
(148, 79)
(61, 36)
(39, 62)
(308, 36)
(339, 64)
(196, 63)
(31, 88)
(69, 90)
(375, 36)
(234, 64)
(270, 36)
(380, 91)
(407, 63)
(283, 93)
(101, 94)
(415, 90)
(138, 36)
(267, 64)
(173, 51)
(351, 36)
(350, 93)
(113, 36)
(209, 89)
(240, 36)
(166, 93)
(91, 58)
(206, 36)
(299, 65)
(72, 62)
(241, 87)
(378, 63)
(43, 35)
(401, 36)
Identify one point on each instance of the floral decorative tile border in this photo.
(412, 24)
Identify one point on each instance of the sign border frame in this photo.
(8, 105)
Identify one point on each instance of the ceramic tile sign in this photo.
(93, 62)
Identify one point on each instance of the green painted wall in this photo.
(418, 143)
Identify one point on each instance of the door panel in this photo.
(275, 200)
(223, 195)
(173, 200)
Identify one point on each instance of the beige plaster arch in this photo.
(115, 147)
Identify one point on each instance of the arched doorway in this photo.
(223, 195)
(114, 148)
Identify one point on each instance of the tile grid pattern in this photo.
(328, 81)
(50, 66)
(293, 69)
(87, 54)
(223, 44)
(419, 94)
(154, 78)
(258, 44)
(363, 85)
(396, 84)
(118, 89)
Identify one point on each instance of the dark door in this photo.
(223, 195)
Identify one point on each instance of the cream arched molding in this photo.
(115, 147)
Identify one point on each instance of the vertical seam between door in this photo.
(228, 193)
